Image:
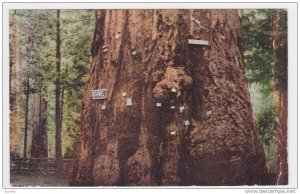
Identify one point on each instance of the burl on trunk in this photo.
(190, 122)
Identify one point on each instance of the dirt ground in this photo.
(37, 180)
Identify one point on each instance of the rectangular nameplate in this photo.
(198, 42)
(99, 94)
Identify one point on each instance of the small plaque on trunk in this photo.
(129, 102)
(199, 42)
(187, 122)
(181, 108)
(99, 94)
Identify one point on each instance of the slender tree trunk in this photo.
(282, 160)
(62, 101)
(39, 146)
(12, 61)
(58, 149)
(36, 122)
(281, 89)
(43, 151)
(61, 107)
(27, 93)
(13, 78)
(145, 53)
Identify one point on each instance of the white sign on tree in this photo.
(99, 94)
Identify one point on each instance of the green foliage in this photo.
(257, 32)
(77, 27)
(267, 124)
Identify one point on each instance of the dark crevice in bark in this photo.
(98, 34)
(197, 72)
(125, 42)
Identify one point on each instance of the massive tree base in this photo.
(202, 134)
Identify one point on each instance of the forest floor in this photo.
(37, 180)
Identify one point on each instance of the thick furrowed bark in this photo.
(146, 54)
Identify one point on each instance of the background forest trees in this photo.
(265, 33)
(33, 48)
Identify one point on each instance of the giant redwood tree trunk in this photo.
(146, 54)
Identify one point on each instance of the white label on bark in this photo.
(133, 53)
(103, 107)
(173, 132)
(172, 107)
(223, 37)
(158, 104)
(197, 22)
(198, 42)
(105, 50)
(209, 112)
(118, 35)
(123, 94)
(181, 108)
(187, 122)
(99, 94)
(129, 102)
(173, 90)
